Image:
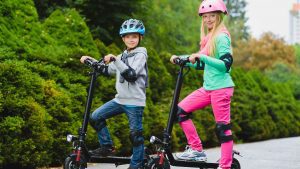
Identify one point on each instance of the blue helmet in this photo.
(132, 26)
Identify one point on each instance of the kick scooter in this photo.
(80, 156)
(164, 157)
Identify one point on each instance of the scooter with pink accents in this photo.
(164, 157)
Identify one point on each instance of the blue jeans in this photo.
(134, 115)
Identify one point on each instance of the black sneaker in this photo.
(103, 151)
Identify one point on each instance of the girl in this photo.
(131, 72)
(216, 60)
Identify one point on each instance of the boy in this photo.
(131, 72)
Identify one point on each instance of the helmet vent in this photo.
(132, 26)
(212, 6)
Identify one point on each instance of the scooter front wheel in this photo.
(71, 164)
(153, 163)
(235, 164)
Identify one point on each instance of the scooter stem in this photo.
(174, 107)
(88, 105)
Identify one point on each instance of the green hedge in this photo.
(43, 92)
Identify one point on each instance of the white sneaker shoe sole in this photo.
(177, 155)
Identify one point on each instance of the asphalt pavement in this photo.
(271, 154)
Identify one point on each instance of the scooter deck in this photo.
(111, 159)
(195, 164)
(126, 160)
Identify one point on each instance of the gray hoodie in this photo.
(131, 93)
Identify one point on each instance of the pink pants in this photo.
(220, 101)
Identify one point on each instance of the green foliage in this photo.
(15, 36)
(43, 86)
(261, 109)
(103, 17)
(46, 99)
(30, 138)
(65, 38)
(263, 53)
(181, 34)
(297, 52)
(237, 20)
(284, 74)
(159, 78)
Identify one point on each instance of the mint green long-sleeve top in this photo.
(216, 75)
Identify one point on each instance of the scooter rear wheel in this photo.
(71, 164)
(153, 163)
(235, 164)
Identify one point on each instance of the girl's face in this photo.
(209, 19)
(131, 40)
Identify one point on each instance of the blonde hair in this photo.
(214, 32)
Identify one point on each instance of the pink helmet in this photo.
(212, 6)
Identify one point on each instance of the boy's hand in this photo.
(193, 57)
(108, 58)
(83, 58)
(173, 57)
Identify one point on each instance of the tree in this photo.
(46, 7)
(237, 20)
(283, 73)
(43, 86)
(297, 51)
(264, 52)
(39, 101)
(103, 17)
(171, 27)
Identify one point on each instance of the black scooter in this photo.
(79, 158)
(164, 157)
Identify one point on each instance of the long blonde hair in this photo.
(214, 32)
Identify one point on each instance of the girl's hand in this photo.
(108, 58)
(83, 58)
(193, 57)
(173, 57)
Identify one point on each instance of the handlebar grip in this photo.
(197, 61)
(176, 61)
(88, 61)
(181, 61)
(112, 59)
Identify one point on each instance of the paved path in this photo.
(270, 154)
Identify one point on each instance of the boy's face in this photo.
(131, 40)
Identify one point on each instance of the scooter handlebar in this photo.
(97, 65)
(182, 60)
(88, 62)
